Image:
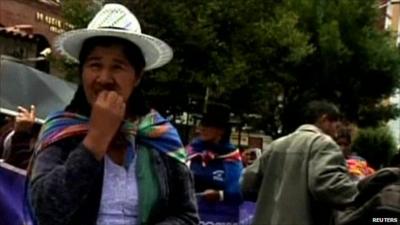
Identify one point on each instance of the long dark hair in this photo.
(136, 105)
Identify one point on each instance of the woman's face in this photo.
(345, 146)
(210, 134)
(107, 69)
(249, 156)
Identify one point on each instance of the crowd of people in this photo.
(110, 159)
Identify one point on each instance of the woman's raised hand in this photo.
(108, 112)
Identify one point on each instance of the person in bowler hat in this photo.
(214, 161)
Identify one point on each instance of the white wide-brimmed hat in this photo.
(116, 20)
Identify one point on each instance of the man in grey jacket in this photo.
(302, 177)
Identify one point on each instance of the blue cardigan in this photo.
(216, 166)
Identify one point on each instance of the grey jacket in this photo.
(299, 180)
(66, 184)
(379, 199)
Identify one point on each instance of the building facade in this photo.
(391, 19)
(29, 27)
(43, 15)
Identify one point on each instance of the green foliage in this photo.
(79, 12)
(355, 64)
(268, 57)
(376, 145)
(242, 51)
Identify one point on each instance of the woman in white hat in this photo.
(108, 159)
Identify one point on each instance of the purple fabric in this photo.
(12, 198)
(246, 213)
(226, 214)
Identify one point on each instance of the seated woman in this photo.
(356, 165)
(108, 159)
(214, 161)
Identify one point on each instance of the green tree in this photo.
(78, 14)
(355, 64)
(376, 145)
(268, 57)
(239, 51)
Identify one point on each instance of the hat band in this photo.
(117, 28)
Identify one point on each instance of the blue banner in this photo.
(12, 197)
(13, 210)
(246, 213)
(221, 213)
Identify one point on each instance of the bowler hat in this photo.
(217, 115)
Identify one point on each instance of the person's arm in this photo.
(232, 192)
(6, 144)
(20, 151)
(60, 183)
(182, 208)
(328, 178)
